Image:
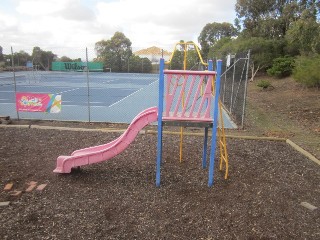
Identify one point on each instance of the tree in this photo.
(212, 33)
(134, 64)
(114, 52)
(307, 70)
(65, 59)
(185, 56)
(263, 51)
(272, 18)
(42, 58)
(304, 36)
(139, 65)
(146, 65)
(21, 58)
(221, 48)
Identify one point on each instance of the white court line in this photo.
(85, 102)
(12, 76)
(70, 105)
(91, 106)
(43, 86)
(131, 94)
(70, 90)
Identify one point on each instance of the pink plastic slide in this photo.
(104, 152)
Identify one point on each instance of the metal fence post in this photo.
(232, 86)
(14, 80)
(88, 85)
(224, 83)
(245, 90)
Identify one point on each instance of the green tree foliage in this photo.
(177, 60)
(114, 52)
(303, 36)
(272, 18)
(212, 33)
(221, 48)
(65, 59)
(21, 58)
(281, 67)
(307, 70)
(263, 51)
(146, 65)
(42, 58)
(139, 65)
(185, 57)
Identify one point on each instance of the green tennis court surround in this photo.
(77, 66)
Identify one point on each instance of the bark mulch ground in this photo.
(118, 199)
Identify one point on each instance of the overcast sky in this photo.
(65, 26)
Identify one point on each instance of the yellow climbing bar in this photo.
(185, 44)
(222, 143)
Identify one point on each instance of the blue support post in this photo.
(205, 147)
(215, 124)
(210, 65)
(160, 110)
(205, 142)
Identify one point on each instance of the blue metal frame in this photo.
(214, 127)
(160, 111)
(205, 147)
(205, 142)
(215, 124)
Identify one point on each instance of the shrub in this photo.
(307, 70)
(264, 84)
(281, 67)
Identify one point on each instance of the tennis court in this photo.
(95, 97)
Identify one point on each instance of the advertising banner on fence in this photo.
(38, 102)
(77, 66)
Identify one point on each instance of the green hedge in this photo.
(307, 70)
(281, 67)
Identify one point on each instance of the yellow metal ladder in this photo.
(222, 143)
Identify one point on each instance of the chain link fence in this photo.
(233, 88)
(91, 94)
(94, 93)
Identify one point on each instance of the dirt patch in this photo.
(118, 199)
(289, 110)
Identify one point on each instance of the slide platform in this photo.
(106, 151)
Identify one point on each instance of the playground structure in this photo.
(186, 98)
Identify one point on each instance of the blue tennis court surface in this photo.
(112, 97)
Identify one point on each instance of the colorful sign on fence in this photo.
(38, 102)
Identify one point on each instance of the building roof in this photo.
(152, 51)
